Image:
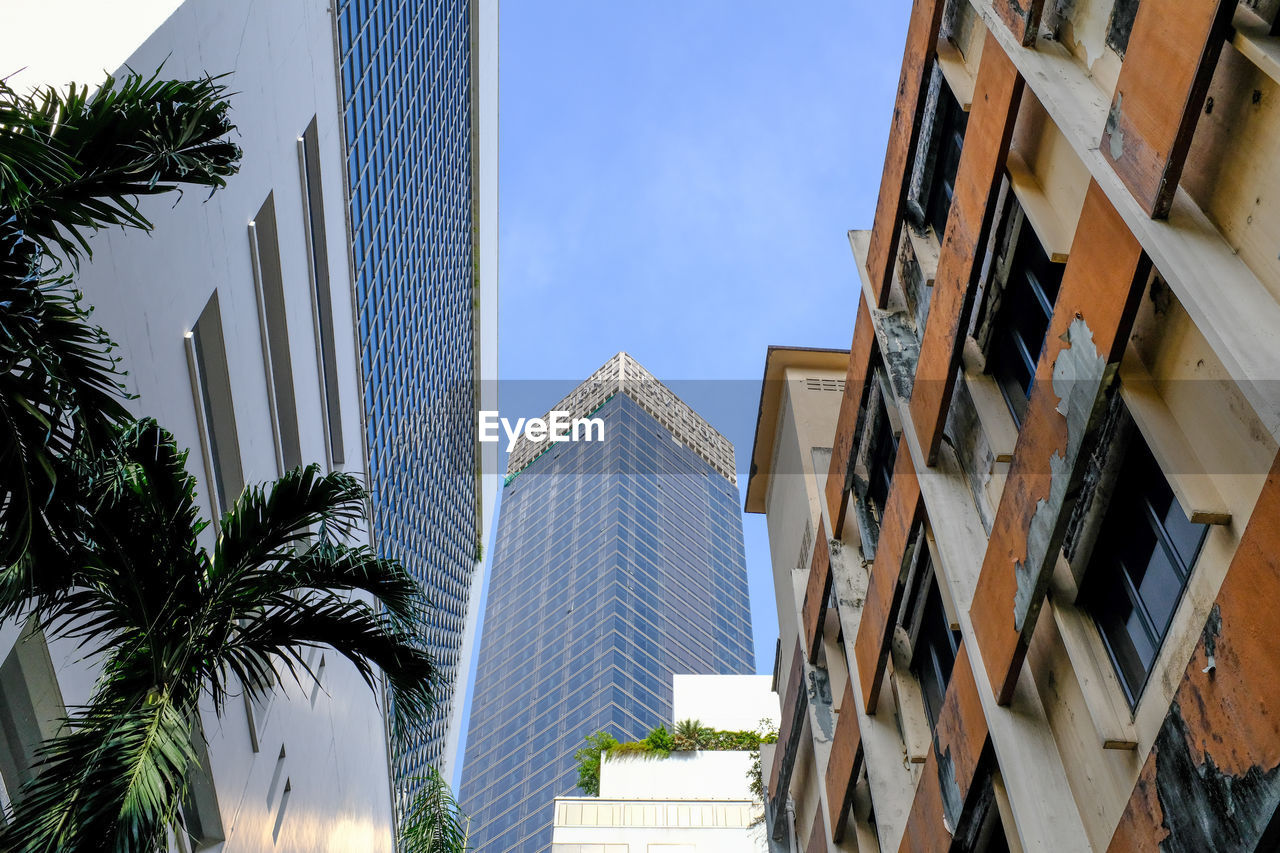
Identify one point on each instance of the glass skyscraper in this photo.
(408, 79)
(618, 563)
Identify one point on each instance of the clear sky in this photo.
(676, 179)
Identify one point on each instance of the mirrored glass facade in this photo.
(617, 564)
(406, 78)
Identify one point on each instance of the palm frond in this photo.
(325, 565)
(125, 582)
(433, 822)
(288, 625)
(76, 160)
(114, 782)
(60, 394)
(169, 620)
(265, 526)
(73, 161)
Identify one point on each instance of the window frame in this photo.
(923, 615)
(937, 124)
(986, 816)
(1007, 340)
(879, 461)
(951, 123)
(869, 463)
(1107, 572)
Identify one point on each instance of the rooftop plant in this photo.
(689, 736)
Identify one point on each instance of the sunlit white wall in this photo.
(148, 291)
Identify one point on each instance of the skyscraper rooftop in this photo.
(623, 374)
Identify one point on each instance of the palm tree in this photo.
(434, 822)
(171, 622)
(690, 734)
(72, 162)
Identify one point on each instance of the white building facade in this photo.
(236, 322)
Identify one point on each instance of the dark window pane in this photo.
(1126, 639)
(1135, 537)
(1019, 332)
(951, 122)
(1159, 588)
(1185, 536)
(1123, 14)
(884, 452)
(1140, 566)
(935, 652)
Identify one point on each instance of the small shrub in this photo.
(660, 740)
(588, 759)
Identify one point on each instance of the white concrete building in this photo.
(688, 802)
(218, 316)
(730, 703)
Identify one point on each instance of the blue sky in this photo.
(677, 178)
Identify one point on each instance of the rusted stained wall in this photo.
(964, 433)
(899, 347)
(904, 132)
(1021, 16)
(816, 592)
(1080, 378)
(986, 145)
(1212, 780)
(843, 764)
(1172, 52)
(960, 737)
(1101, 288)
(820, 702)
(838, 482)
(959, 740)
(884, 590)
(926, 830)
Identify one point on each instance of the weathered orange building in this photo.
(1028, 561)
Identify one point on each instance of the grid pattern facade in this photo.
(617, 565)
(406, 79)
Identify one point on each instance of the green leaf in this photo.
(433, 822)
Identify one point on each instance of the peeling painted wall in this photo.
(1170, 59)
(899, 347)
(965, 434)
(1079, 377)
(1101, 288)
